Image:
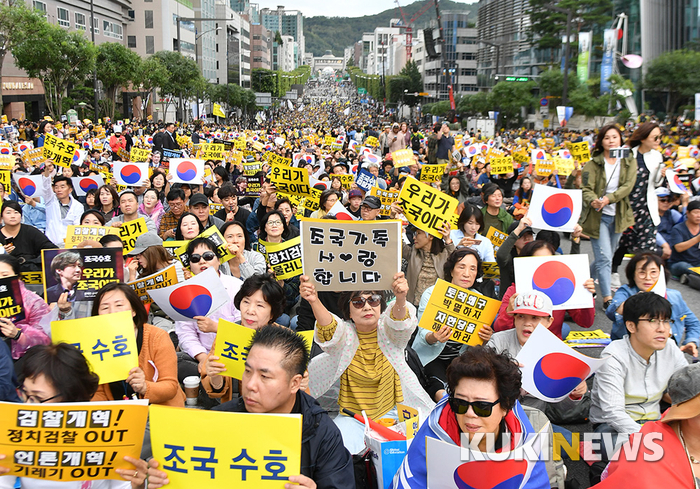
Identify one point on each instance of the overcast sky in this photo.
(355, 8)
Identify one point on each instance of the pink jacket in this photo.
(32, 333)
(156, 215)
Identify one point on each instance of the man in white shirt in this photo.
(62, 210)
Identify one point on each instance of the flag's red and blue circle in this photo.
(27, 186)
(186, 170)
(556, 280)
(491, 474)
(130, 174)
(191, 300)
(556, 374)
(87, 184)
(557, 209)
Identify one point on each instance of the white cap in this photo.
(117, 129)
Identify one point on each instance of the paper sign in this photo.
(76, 441)
(372, 141)
(59, 150)
(351, 255)
(201, 295)
(403, 157)
(551, 369)
(283, 258)
(164, 278)
(139, 154)
(466, 312)
(544, 168)
(252, 168)
(172, 153)
(425, 207)
(30, 185)
(186, 170)
(261, 450)
(365, 180)
(212, 234)
(131, 230)
(564, 166)
(560, 277)
(580, 151)
(387, 197)
(232, 346)
(82, 272)
(496, 237)
(214, 208)
(290, 180)
(501, 165)
(275, 159)
(432, 173)
(490, 269)
(313, 202)
(83, 185)
(33, 278)
(11, 304)
(346, 179)
(77, 234)
(130, 174)
(107, 342)
(554, 208)
(33, 156)
(211, 151)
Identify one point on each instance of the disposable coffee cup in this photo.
(191, 389)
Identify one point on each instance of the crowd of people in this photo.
(369, 354)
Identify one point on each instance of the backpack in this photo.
(415, 142)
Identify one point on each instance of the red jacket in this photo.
(117, 143)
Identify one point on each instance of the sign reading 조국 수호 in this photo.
(11, 304)
(80, 271)
(108, 343)
(351, 255)
(77, 234)
(501, 165)
(290, 180)
(425, 207)
(261, 451)
(131, 230)
(164, 278)
(432, 173)
(59, 150)
(464, 311)
(284, 258)
(72, 441)
(386, 197)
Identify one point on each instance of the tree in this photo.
(475, 104)
(57, 57)
(183, 79)
(262, 80)
(150, 74)
(278, 38)
(674, 75)
(415, 81)
(117, 66)
(509, 98)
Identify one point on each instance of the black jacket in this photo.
(324, 458)
(169, 141)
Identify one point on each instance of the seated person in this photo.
(668, 217)
(685, 238)
(643, 271)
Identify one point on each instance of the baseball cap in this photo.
(198, 199)
(534, 303)
(372, 202)
(684, 390)
(662, 192)
(354, 193)
(144, 241)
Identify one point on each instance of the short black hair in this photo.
(648, 258)
(458, 255)
(11, 204)
(174, 194)
(64, 367)
(110, 238)
(485, 363)
(533, 246)
(227, 190)
(296, 356)
(201, 241)
(246, 235)
(263, 233)
(549, 236)
(61, 178)
(272, 291)
(128, 192)
(141, 316)
(488, 190)
(12, 261)
(646, 304)
(100, 217)
(467, 213)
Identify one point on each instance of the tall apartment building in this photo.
(288, 23)
(232, 47)
(261, 47)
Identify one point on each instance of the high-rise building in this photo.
(205, 37)
(288, 23)
(232, 47)
(261, 44)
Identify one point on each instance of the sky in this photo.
(355, 8)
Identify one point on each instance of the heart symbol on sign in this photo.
(345, 256)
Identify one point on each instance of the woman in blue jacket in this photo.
(643, 271)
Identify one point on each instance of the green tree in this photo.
(509, 98)
(184, 78)
(262, 80)
(674, 75)
(475, 104)
(150, 74)
(57, 57)
(117, 66)
(278, 38)
(415, 85)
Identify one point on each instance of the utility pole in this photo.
(94, 72)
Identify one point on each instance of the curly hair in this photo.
(458, 255)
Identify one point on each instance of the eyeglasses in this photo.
(206, 256)
(654, 322)
(483, 409)
(374, 300)
(274, 223)
(33, 399)
(641, 273)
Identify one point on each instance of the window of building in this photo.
(150, 45)
(149, 18)
(217, 64)
(117, 31)
(131, 42)
(63, 17)
(468, 56)
(106, 29)
(41, 6)
(80, 21)
(96, 24)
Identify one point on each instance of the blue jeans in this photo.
(680, 268)
(603, 249)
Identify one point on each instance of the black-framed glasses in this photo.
(655, 321)
(34, 399)
(483, 409)
(206, 256)
(359, 302)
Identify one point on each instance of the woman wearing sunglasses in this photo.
(483, 388)
(197, 337)
(60, 373)
(365, 350)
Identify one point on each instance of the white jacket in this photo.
(653, 161)
(56, 227)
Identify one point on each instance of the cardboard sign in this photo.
(501, 165)
(77, 234)
(432, 173)
(212, 234)
(252, 168)
(290, 180)
(261, 451)
(82, 272)
(425, 207)
(164, 278)
(107, 342)
(580, 151)
(464, 311)
(11, 304)
(403, 157)
(211, 151)
(351, 255)
(131, 230)
(232, 346)
(283, 258)
(59, 150)
(74, 441)
(345, 179)
(555, 208)
(139, 154)
(560, 277)
(387, 197)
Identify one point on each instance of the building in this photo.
(261, 47)
(378, 50)
(336, 63)
(284, 55)
(205, 38)
(232, 47)
(154, 27)
(287, 23)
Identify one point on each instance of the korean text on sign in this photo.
(72, 441)
(386, 197)
(138, 154)
(11, 304)
(261, 451)
(131, 230)
(108, 343)
(403, 157)
(501, 165)
(432, 173)
(580, 151)
(231, 346)
(349, 255)
(164, 278)
(211, 151)
(345, 179)
(464, 311)
(77, 234)
(283, 258)
(290, 180)
(425, 207)
(59, 150)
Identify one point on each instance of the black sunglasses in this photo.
(483, 409)
(206, 256)
(359, 302)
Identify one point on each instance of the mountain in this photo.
(337, 33)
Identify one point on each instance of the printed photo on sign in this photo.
(425, 207)
(351, 255)
(561, 278)
(554, 208)
(185, 170)
(80, 272)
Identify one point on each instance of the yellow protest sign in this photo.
(33, 278)
(59, 150)
(290, 180)
(464, 311)
(275, 159)
(403, 157)
(213, 234)
(544, 168)
(425, 207)
(77, 234)
(239, 143)
(217, 111)
(6, 180)
(231, 346)
(214, 208)
(501, 165)
(328, 140)
(139, 154)
(580, 151)
(490, 269)
(261, 450)
(164, 278)
(313, 201)
(346, 180)
(564, 166)
(131, 230)
(107, 342)
(432, 173)
(496, 237)
(74, 441)
(372, 141)
(521, 157)
(211, 151)
(284, 258)
(597, 334)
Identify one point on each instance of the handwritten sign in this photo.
(425, 207)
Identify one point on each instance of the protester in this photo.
(152, 206)
(129, 205)
(22, 241)
(245, 262)
(188, 227)
(469, 225)
(62, 209)
(169, 221)
(685, 243)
